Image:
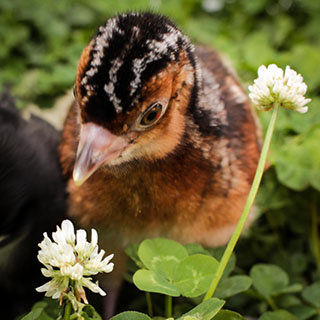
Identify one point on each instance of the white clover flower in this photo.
(275, 86)
(69, 259)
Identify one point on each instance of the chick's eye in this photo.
(152, 114)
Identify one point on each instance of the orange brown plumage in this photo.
(161, 139)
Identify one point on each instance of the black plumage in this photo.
(32, 201)
(134, 52)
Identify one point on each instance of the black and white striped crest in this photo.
(126, 51)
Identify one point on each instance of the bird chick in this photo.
(161, 139)
(32, 201)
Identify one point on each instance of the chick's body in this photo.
(184, 142)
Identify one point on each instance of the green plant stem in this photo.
(168, 306)
(315, 240)
(149, 304)
(67, 311)
(272, 304)
(251, 197)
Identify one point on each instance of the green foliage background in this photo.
(41, 41)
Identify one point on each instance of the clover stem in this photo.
(251, 197)
(314, 237)
(67, 311)
(168, 306)
(272, 304)
(149, 304)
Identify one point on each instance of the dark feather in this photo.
(32, 201)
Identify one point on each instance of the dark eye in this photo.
(152, 114)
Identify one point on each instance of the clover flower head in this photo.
(275, 86)
(69, 259)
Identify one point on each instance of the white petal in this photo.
(107, 258)
(56, 295)
(68, 230)
(59, 236)
(92, 286)
(81, 241)
(262, 71)
(47, 273)
(108, 268)
(73, 272)
(275, 71)
(94, 237)
(44, 287)
(303, 109)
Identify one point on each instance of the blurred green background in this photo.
(41, 40)
(40, 44)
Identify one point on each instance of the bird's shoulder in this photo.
(223, 103)
(222, 122)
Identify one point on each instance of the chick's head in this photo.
(135, 81)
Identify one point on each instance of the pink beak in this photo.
(97, 146)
